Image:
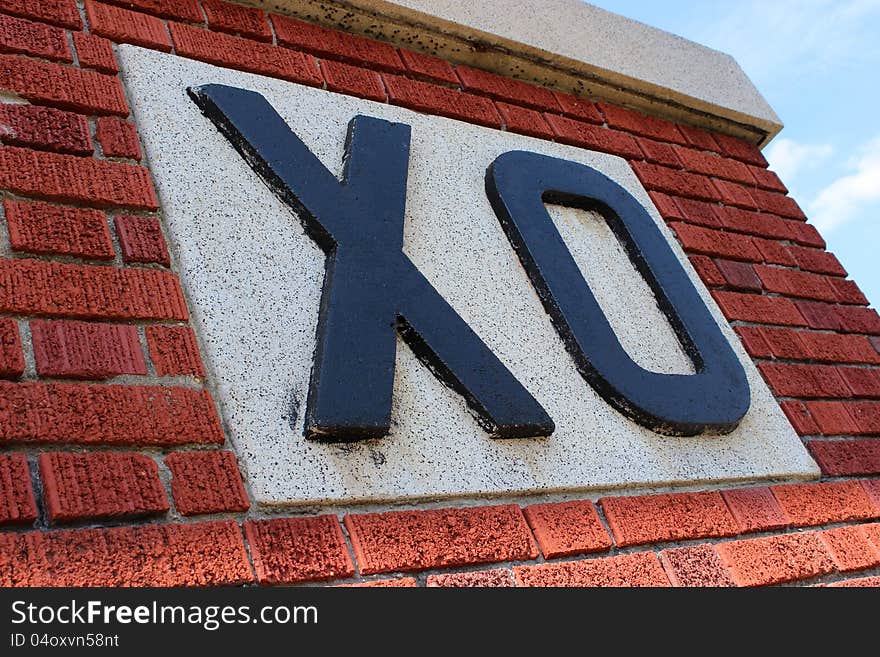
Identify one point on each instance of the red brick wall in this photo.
(106, 420)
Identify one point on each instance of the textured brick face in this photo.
(141, 240)
(45, 128)
(85, 486)
(62, 86)
(639, 569)
(481, 579)
(95, 52)
(118, 138)
(416, 540)
(656, 518)
(291, 550)
(57, 12)
(206, 482)
(127, 26)
(776, 559)
(21, 36)
(818, 504)
(235, 19)
(54, 229)
(174, 351)
(11, 357)
(17, 504)
(106, 415)
(567, 528)
(697, 565)
(83, 350)
(205, 554)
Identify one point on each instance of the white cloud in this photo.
(847, 196)
(788, 157)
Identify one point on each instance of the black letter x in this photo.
(372, 290)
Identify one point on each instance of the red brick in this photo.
(839, 458)
(707, 270)
(524, 121)
(869, 582)
(187, 10)
(805, 234)
(753, 223)
(77, 413)
(567, 528)
(739, 275)
(11, 358)
(848, 292)
(45, 128)
(800, 418)
(174, 351)
(659, 152)
(204, 554)
(832, 418)
(858, 320)
(62, 86)
(352, 80)
(866, 415)
(57, 12)
(872, 488)
(715, 242)
(785, 343)
(787, 380)
(333, 44)
(17, 503)
(640, 124)
(835, 348)
(699, 212)
(774, 203)
(659, 518)
(795, 283)
(740, 150)
(507, 89)
(125, 26)
(697, 565)
(864, 382)
(755, 509)
(394, 583)
(758, 308)
(433, 99)
(417, 540)
(118, 138)
(427, 67)
(767, 180)
(872, 532)
(820, 315)
(850, 549)
(638, 569)
(754, 342)
(734, 194)
(481, 579)
(141, 240)
(206, 482)
(289, 550)
(69, 178)
(673, 181)
(19, 35)
(667, 207)
(875, 340)
(95, 52)
(585, 135)
(806, 505)
(816, 260)
(244, 54)
(32, 287)
(85, 350)
(698, 138)
(773, 252)
(713, 165)
(577, 107)
(100, 485)
(53, 229)
(235, 19)
(776, 559)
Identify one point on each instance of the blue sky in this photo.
(817, 62)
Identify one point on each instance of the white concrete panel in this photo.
(253, 280)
